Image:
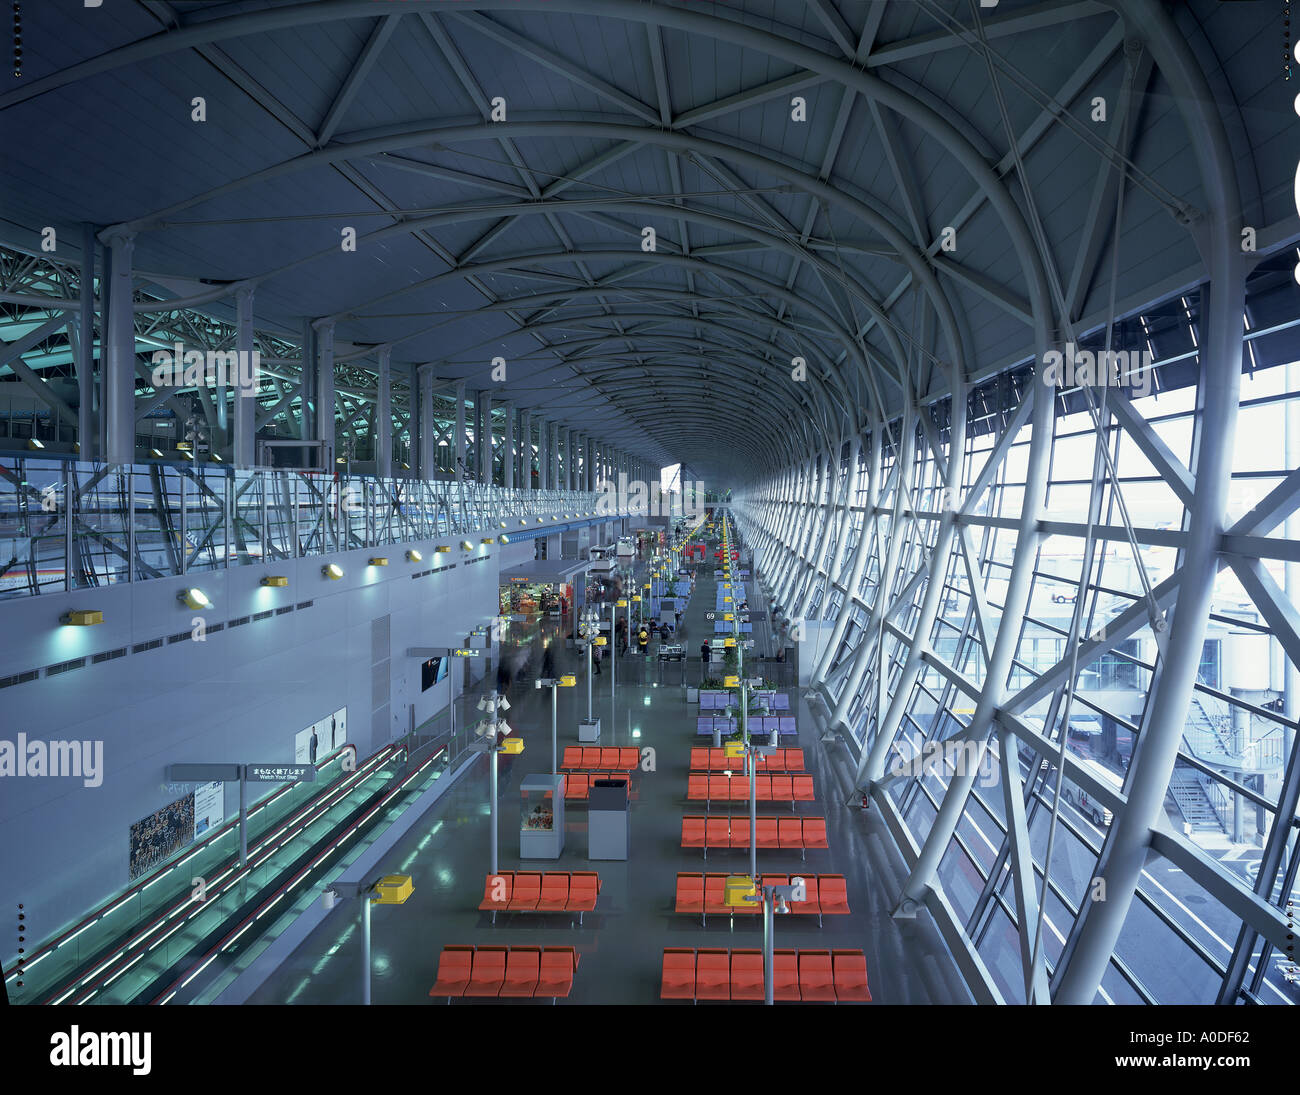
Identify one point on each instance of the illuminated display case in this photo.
(541, 817)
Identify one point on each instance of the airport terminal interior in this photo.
(847, 454)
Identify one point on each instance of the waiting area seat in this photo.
(577, 785)
(773, 833)
(792, 788)
(706, 759)
(583, 758)
(701, 894)
(537, 892)
(523, 972)
(810, 976)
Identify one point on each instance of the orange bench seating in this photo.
(537, 892)
(601, 758)
(577, 785)
(838, 976)
(827, 894)
(732, 831)
(703, 787)
(707, 759)
(505, 972)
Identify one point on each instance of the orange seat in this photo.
(609, 757)
(555, 892)
(712, 975)
(523, 965)
(740, 832)
(488, 973)
(833, 894)
(499, 884)
(793, 760)
(690, 893)
(717, 760)
(454, 966)
(790, 830)
(591, 756)
(697, 787)
(785, 976)
(629, 757)
(583, 888)
(767, 833)
(678, 974)
(715, 832)
(527, 891)
(576, 785)
(747, 975)
(555, 976)
(713, 894)
(809, 906)
(776, 880)
(693, 829)
(572, 757)
(814, 832)
(816, 979)
(850, 970)
(699, 759)
(782, 789)
(719, 788)
(803, 788)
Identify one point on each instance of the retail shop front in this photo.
(550, 591)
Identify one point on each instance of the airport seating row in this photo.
(577, 785)
(619, 758)
(781, 833)
(706, 759)
(702, 787)
(826, 894)
(505, 972)
(714, 699)
(537, 892)
(838, 976)
(759, 725)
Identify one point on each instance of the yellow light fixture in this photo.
(488, 540)
(503, 524)
(157, 453)
(414, 556)
(82, 618)
(504, 538)
(194, 598)
(379, 561)
(35, 443)
(442, 549)
(522, 522)
(279, 581)
(466, 545)
(539, 520)
(332, 571)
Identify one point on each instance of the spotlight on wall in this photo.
(379, 561)
(442, 549)
(539, 520)
(488, 540)
(414, 556)
(503, 524)
(156, 453)
(35, 443)
(82, 618)
(466, 545)
(332, 571)
(194, 598)
(279, 581)
(504, 538)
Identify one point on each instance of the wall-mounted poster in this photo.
(318, 741)
(156, 837)
(209, 808)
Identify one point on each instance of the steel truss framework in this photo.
(803, 333)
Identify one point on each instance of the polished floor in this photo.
(620, 945)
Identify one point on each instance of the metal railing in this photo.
(67, 525)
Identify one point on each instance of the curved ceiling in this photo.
(906, 196)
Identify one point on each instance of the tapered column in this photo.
(508, 448)
(543, 451)
(427, 434)
(244, 438)
(483, 435)
(119, 356)
(460, 431)
(526, 450)
(323, 418)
